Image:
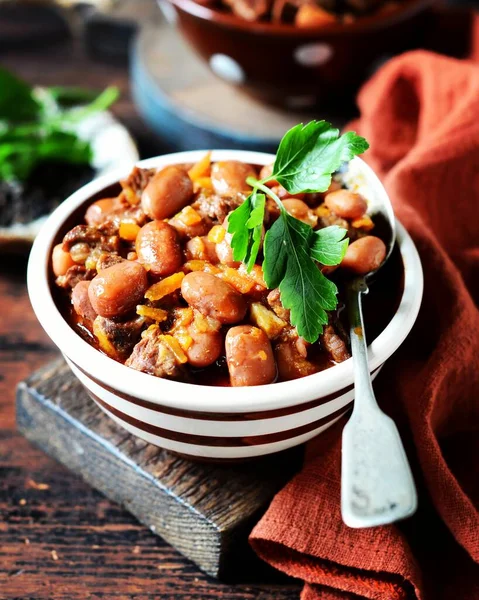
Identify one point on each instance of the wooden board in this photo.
(205, 511)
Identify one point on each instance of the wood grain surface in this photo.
(59, 538)
(204, 510)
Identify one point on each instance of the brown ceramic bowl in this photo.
(296, 67)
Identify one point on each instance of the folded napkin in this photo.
(420, 113)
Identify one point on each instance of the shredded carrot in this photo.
(201, 168)
(175, 347)
(203, 183)
(128, 231)
(201, 265)
(157, 314)
(216, 234)
(184, 340)
(189, 216)
(256, 274)
(364, 223)
(183, 317)
(239, 282)
(205, 324)
(164, 287)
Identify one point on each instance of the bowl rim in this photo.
(196, 397)
(407, 9)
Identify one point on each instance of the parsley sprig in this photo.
(307, 157)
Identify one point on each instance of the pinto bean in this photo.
(200, 248)
(229, 177)
(61, 260)
(224, 252)
(346, 204)
(81, 301)
(300, 210)
(206, 347)
(266, 172)
(98, 211)
(213, 297)
(283, 193)
(158, 248)
(168, 192)
(249, 356)
(364, 255)
(116, 291)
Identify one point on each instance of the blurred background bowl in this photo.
(298, 67)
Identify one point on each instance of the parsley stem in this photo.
(259, 185)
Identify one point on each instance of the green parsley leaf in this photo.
(255, 226)
(309, 154)
(307, 157)
(304, 289)
(35, 126)
(246, 223)
(17, 102)
(329, 245)
(237, 226)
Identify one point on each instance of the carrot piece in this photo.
(189, 216)
(164, 287)
(157, 314)
(256, 274)
(203, 183)
(105, 345)
(239, 282)
(184, 340)
(175, 347)
(201, 168)
(128, 231)
(364, 223)
(216, 234)
(322, 211)
(202, 265)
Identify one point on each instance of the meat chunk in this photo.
(96, 238)
(333, 342)
(117, 338)
(74, 275)
(106, 260)
(212, 206)
(135, 183)
(274, 300)
(291, 362)
(151, 355)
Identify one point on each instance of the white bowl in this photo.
(208, 421)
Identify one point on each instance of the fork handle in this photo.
(376, 481)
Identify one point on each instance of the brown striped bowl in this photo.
(207, 421)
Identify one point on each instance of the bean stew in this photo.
(150, 280)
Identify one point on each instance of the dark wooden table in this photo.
(60, 539)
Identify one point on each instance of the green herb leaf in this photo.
(237, 226)
(304, 289)
(309, 154)
(329, 245)
(246, 223)
(35, 128)
(16, 99)
(255, 226)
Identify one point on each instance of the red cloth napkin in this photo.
(420, 113)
